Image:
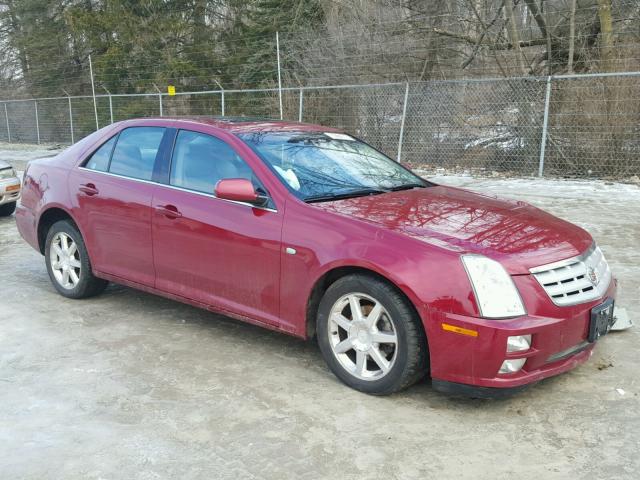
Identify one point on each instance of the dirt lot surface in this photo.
(132, 386)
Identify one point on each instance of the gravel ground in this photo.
(129, 385)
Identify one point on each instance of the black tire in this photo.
(7, 209)
(411, 360)
(88, 285)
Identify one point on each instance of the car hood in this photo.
(515, 233)
(4, 165)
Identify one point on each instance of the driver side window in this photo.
(199, 161)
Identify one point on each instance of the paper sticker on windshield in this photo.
(339, 136)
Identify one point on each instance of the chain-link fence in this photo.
(578, 126)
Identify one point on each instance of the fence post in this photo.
(159, 97)
(35, 106)
(93, 93)
(279, 77)
(404, 114)
(300, 105)
(71, 120)
(6, 116)
(110, 103)
(70, 115)
(221, 95)
(545, 123)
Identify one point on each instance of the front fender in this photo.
(369, 265)
(430, 276)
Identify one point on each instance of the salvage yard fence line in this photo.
(581, 125)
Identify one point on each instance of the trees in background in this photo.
(417, 40)
(134, 44)
(137, 46)
(196, 43)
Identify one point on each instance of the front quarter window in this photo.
(135, 152)
(323, 166)
(200, 161)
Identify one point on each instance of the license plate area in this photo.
(601, 320)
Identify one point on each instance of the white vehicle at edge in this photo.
(9, 189)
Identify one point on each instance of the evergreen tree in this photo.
(251, 40)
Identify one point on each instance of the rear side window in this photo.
(135, 152)
(200, 161)
(100, 158)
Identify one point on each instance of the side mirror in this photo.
(239, 190)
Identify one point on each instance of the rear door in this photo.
(112, 193)
(222, 253)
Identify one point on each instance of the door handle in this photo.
(89, 188)
(169, 211)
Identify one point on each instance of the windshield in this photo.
(326, 166)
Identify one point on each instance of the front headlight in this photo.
(7, 173)
(495, 292)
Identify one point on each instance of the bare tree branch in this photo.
(498, 46)
(537, 16)
(486, 28)
(572, 36)
(514, 35)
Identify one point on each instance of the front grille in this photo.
(576, 280)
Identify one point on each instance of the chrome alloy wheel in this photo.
(362, 336)
(65, 261)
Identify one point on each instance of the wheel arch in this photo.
(335, 273)
(47, 218)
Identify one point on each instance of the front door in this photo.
(222, 253)
(113, 193)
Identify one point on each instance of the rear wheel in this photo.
(370, 335)
(7, 209)
(68, 262)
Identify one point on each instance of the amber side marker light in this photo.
(11, 188)
(462, 331)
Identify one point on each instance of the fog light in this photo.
(519, 343)
(512, 366)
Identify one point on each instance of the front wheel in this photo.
(68, 262)
(370, 335)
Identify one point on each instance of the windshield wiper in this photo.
(407, 186)
(350, 194)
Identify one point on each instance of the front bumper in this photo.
(9, 190)
(559, 343)
(472, 391)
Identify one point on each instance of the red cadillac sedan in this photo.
(307, 230)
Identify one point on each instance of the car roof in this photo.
(240, 124)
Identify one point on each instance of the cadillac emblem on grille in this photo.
(576, 280)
